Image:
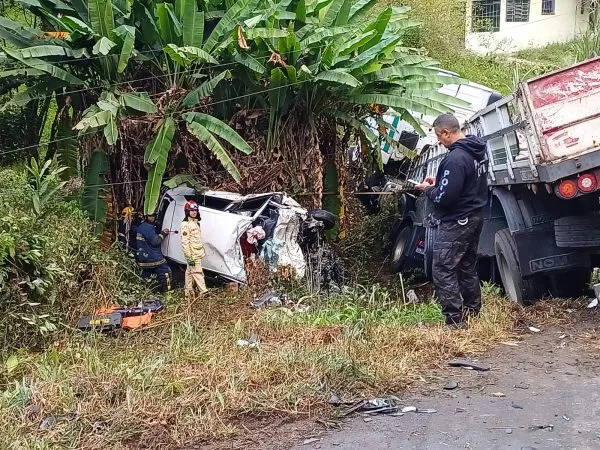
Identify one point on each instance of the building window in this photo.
(517, 10)
(548, 7)
(485, 16)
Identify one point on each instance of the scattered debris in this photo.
(373, 406)
(593, 303)
(534, 329)
(508, 431)
(521, 386)
(498, 394)
(469, 364)
(367, 419)
(48, 423)
(310, 441)
(529, 448)
(570, 311)
(450, 385)
(426, 411)
(411, 297)
(251, 342)
(514, 405)
(510, 344)
(460, 410)
(567, 418)
(398, 414)
(270, 299)
(562, 336)
(408, 409)
(549, 427)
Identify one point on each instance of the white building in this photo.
(504, 26)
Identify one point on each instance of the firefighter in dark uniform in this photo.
(458, 193)
(149, 255)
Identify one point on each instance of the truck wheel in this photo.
(328, 219)
(577, 231)
(400, 249)
(524, 291)
(430, 238)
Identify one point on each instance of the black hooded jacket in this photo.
(461, 184)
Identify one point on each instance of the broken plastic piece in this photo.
(469, 364)
(593, 303)
(534, 329)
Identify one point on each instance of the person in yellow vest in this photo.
(193, 249)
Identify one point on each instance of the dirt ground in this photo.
(542, 394)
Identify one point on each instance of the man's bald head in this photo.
(447, 129)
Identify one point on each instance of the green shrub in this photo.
(52, 267)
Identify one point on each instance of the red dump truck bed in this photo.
(565, 111)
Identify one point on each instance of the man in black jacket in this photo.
(458, 193)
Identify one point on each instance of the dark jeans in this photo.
(455, 268)
(163, 274)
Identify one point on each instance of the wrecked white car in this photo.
(272, 226)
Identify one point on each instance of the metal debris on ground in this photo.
(450, 385)
(469, 364)
(549, 427)
(251, 342)
(567, 418)
(48, 423)
(534, 329)
(411, 297)
(498, 394)
(270, 299)
(384, 405)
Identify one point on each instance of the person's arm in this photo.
(155, 240)
(448, 188)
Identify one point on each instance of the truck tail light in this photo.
(567, 189)
(587, 183)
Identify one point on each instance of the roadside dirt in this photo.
(550, 384)
(551, 400)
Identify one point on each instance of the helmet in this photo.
(191, 206)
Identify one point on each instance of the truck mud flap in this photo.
(538, 253)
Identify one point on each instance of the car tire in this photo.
(524, 291)
(399, 253)
(577, 231)
(329, 219)
(431, 234)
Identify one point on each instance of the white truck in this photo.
(542, 223)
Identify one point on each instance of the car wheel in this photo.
(524, 291)
(329, 219)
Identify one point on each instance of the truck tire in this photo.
(524, 291)
(430, 238)
(400, 249)
(329, 219)
(577, 231)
